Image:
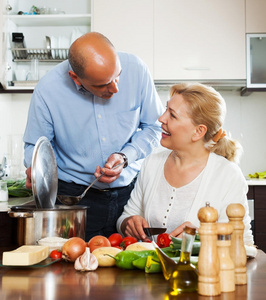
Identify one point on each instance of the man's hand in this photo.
(110, 175)
(28, 179)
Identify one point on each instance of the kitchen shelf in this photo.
(42, 54)
(51, 20)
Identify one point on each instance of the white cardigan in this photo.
(222, 183)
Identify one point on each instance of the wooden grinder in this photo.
(235, 213)
(208, 263)
(227, 268)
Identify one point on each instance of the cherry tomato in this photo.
(128, 240)
(115, 239)
(163, 240)
(55, 254)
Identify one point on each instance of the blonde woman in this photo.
(197, 166)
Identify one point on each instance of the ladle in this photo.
(72, 200)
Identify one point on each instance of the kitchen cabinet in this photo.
(255, 16)
(60, 21)
(179, 40)
(128, 25)
(258, 193)
(198, 40)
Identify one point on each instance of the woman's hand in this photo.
(179, 230)
(133, 226)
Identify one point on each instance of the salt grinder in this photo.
(208, 263)
(227, 268)
(235, 213)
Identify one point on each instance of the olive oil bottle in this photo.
(182, 276)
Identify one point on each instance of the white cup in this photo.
(22, 74)
(34, 73)
(3, 191)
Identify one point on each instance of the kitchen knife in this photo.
(149, 231)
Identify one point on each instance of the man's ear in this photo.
(199, 133)
(74, 77)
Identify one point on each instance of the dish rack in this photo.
(42, 54)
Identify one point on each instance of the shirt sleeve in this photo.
(144, 140)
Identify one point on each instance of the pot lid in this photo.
(44, 177)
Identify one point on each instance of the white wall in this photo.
(245, 120)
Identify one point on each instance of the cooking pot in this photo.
(60, 221)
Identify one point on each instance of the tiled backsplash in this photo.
(245, 120)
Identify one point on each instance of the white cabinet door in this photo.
(199, 39)
(128, 25)
(255, 16)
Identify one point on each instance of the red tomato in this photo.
(128, 240)
(163, 240)
(115, 239)
(98, 241)
(55, 254)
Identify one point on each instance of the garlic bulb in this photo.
(86, 262)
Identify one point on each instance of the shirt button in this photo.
(103, 139)
(172, 197)
(99, 116)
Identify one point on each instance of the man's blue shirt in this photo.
(85, 130)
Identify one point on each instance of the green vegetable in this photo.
(152, 266)
(140, 263)
(124, 259)
(17, 188)
(177, 242)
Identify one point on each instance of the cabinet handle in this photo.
(8, 7)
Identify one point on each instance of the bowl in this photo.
(54, 243)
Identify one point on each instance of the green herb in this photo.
(17, 188)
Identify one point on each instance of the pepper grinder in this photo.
(227, 268)
(235, 213)
(208, 263)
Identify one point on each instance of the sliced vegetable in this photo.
(177, 242)
(152, 266)
(163, 240)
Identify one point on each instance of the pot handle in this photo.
(26, 214)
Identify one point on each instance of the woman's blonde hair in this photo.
(207, 107)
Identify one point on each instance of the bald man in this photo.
(98, 108)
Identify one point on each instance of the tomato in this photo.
(55, 254)
(115, 239)
(128, 240)
(98, 241)
(163, 240)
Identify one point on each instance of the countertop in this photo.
(256, 181)
(61, 281)
(14, 201)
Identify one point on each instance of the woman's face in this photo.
(177, 126)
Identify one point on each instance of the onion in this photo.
(73, 248)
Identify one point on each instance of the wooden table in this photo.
(61, 281)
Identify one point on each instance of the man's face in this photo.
(101, 82)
